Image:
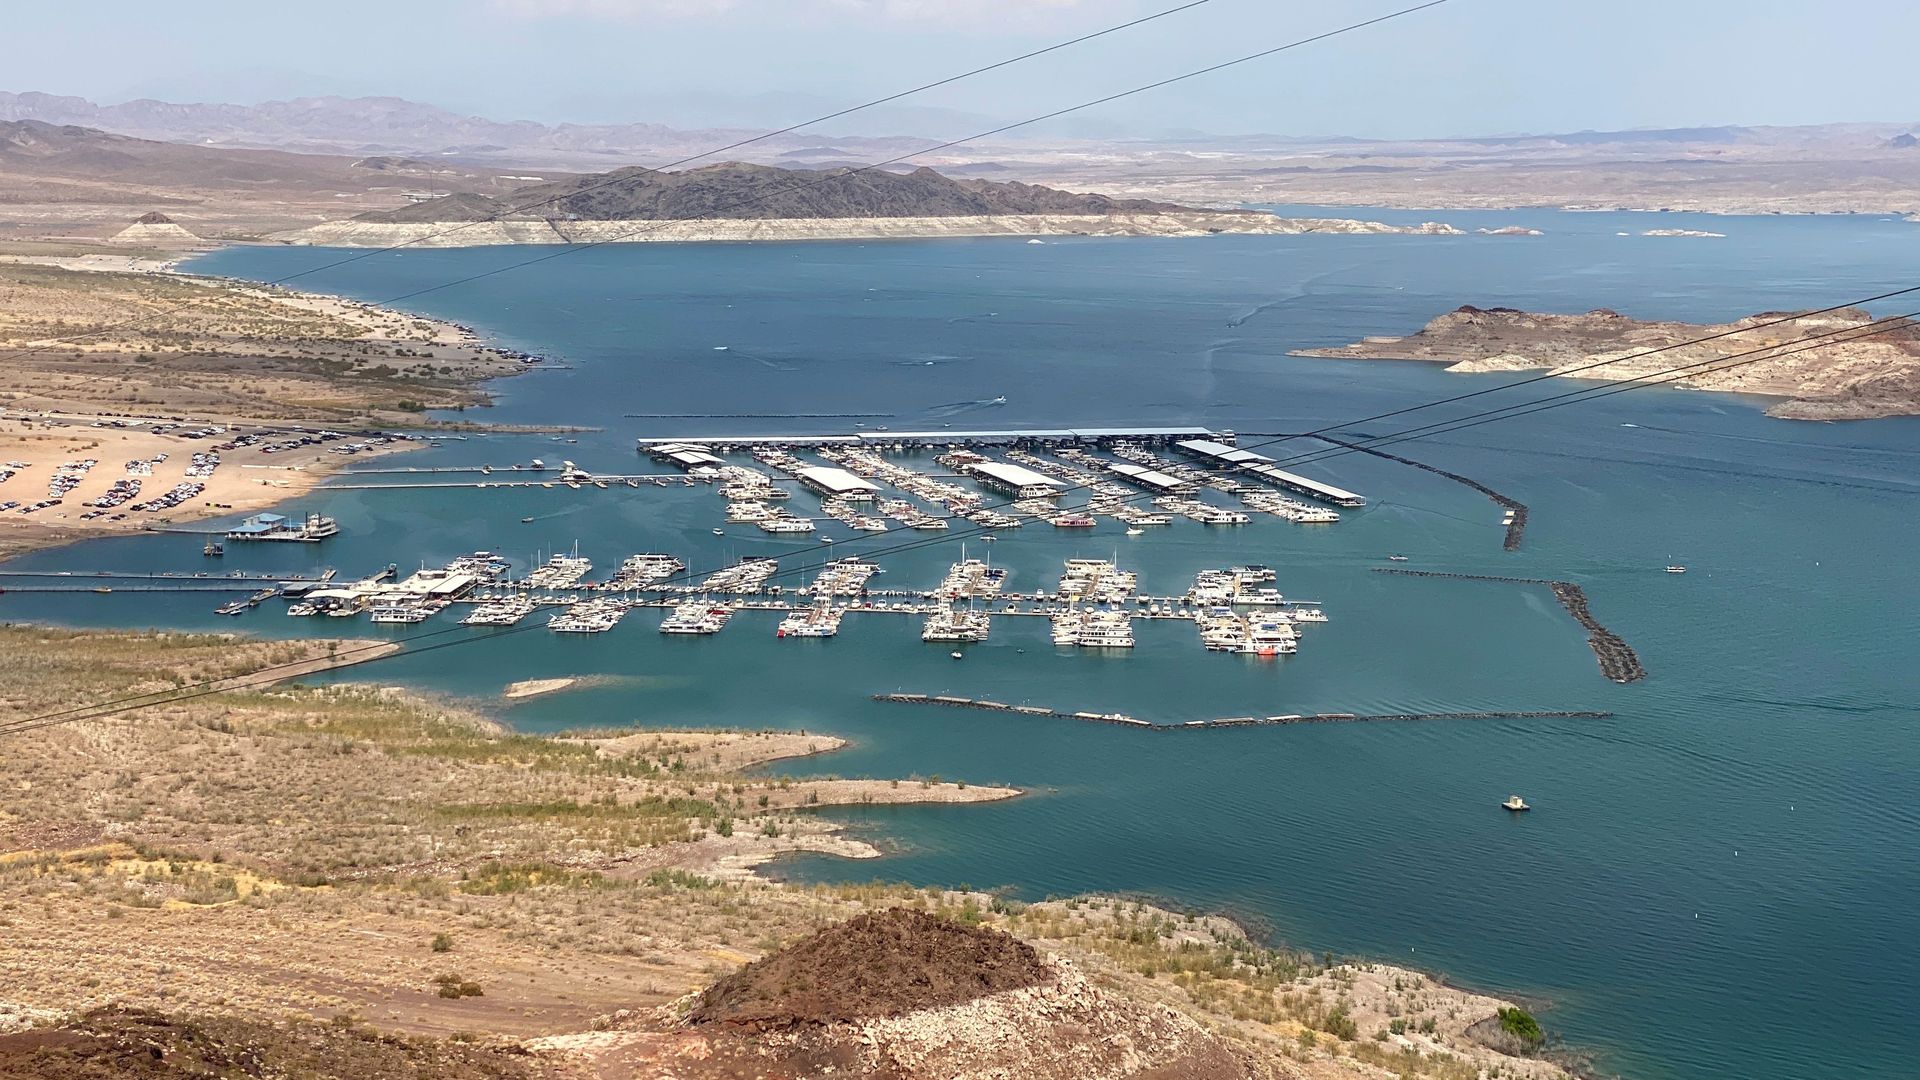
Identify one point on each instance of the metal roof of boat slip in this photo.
(1152, 478)
(835, 481)
(1013, 475)
(1257, 464)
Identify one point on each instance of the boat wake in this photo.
(955, 408)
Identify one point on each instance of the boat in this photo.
(719, 532)
(1271, 637)
(1135, 532)
(214, 549)
(1396, 558)
(500, 612)
(1515, 803)
(526, 521)
(1676, 569)
(786, 525)
(399, 613)
(957, 655)
(947, 624)
(696, 617)
(820, 620)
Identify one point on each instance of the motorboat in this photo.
(1515, 803)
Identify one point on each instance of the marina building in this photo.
(835, 482)
(1016, 480)
(1220, 455)
(276, 527)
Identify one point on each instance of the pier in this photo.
(1617, 659)
(1123, 720)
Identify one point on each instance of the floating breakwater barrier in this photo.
(1617, 659)
(1516, 521)
(1123, 720)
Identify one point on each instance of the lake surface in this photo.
(1715, 883)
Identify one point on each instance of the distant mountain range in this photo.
(34, 150)
(389, 125)
(740, 191)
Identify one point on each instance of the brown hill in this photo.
(883, 964)
(68, 179)
(738, 191)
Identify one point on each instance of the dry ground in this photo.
(362, 853)
(91, 339)
(142, 343)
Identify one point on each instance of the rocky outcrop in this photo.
(155, 230)
(1847, 376)
(905, 995)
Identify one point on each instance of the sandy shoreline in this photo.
(57, 418)
(1172, 224)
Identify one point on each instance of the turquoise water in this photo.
(1716, 882)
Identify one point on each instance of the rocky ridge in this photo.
(1853, 378)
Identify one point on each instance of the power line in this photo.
(1887, 325)
(623, 174)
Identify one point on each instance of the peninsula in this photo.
(1856, 377)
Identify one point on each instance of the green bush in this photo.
(443, 943)
(1520, 1024)
(1340, 1025)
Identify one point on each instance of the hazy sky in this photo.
(1467, 67)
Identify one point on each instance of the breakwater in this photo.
(1517, 511)
(1617, 659)
(1123, 720)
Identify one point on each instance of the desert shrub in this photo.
(1520, 1024)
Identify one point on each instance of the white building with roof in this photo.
(1016, 480)
(834, 482)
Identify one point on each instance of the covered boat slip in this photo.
(1224, 455)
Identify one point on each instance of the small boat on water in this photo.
(1676, 569)
(719, 532)
(214, 549)
(1396, 558)
(1135, 532)
(526, 521)
(957, 654)
(1515, 803)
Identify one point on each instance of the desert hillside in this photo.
(1847, 379)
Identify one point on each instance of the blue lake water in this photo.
(1715, 883)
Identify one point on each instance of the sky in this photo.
(1467, 67)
